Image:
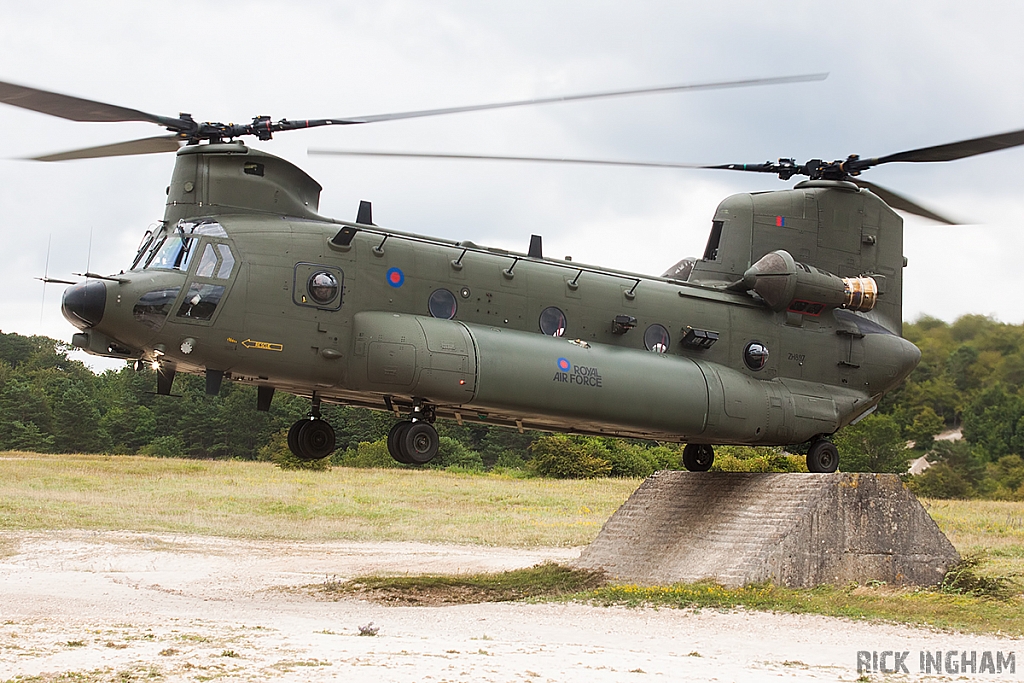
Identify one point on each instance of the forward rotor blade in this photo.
(485, 157)
(155, 145)
(588, 96)
(901, 203)
(73, 108)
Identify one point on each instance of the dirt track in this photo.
(132, 606)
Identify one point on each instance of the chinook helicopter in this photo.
(784, 331)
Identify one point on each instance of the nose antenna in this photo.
(46, 279)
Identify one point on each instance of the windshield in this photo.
(170, 248)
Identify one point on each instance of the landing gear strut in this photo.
(698, 457)
(312, 437)
(822, 457)
(414, 441)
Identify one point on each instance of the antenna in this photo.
(46, 274)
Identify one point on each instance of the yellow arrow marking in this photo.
(265, 346)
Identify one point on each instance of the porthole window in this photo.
(656, 339)
(755, 355)
(552, 322)
(442, 304)
(322, 287)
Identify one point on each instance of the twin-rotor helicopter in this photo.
(785, 330)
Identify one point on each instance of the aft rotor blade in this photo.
(587, 96)
(155, 145)
(953, 150)
(485, 157)
(901, 203)
(73, 108)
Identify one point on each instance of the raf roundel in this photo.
(395, 277)
(564, 365)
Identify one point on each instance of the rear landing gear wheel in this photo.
(822, 457)
(698, 457)
(395, 438)
(313, 439)
(420, 442)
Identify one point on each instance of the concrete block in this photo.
(798, 530)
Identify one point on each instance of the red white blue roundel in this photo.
(395, 277)
(564, 365)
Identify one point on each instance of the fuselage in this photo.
(385, 319)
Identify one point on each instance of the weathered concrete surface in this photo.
(796, 530)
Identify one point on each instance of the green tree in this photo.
(875, 444)
(569, 457)
(923, 429)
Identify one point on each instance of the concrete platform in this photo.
(797, 530)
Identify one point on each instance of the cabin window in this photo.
(552, 321)
(755, 355)
(323, 287)
(656, 339)
(442, 304)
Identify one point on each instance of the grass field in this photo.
(258, 500)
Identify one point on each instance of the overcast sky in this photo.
(902, 76)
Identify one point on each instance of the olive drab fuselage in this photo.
(266, 292)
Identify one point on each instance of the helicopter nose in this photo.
(83, 304)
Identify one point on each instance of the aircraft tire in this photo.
(698, 457)
(420, 442)
(822, 457)
(316, 439)
(293, 438)
(395, 440)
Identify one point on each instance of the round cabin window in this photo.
(755, 355)
(656, 339)
(552, 321)
(442, 304)
(323, 287)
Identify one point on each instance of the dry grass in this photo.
(990, 529)
(258, 500)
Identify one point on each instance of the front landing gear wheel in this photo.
(822, 457)
(419, 443)
(314, 439)
(698, 457)
(293, 437)
(395, 438)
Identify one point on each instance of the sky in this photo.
(901, 76)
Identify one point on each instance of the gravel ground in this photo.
(119, 606)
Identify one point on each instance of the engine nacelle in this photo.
(785, 284)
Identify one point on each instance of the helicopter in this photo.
(785, 330)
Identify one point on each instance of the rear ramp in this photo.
(798, 530)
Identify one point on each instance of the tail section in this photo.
(833, 225)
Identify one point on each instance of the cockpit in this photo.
(170, 248)
(178, 248)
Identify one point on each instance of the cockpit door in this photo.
(214, 265)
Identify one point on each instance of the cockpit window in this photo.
(171, 253)
(147, 241)
(169, 248)
(227, 262)
(206, 227)
(201, 301)
(208, 263)
(152, 307)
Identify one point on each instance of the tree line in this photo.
(971, 377)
